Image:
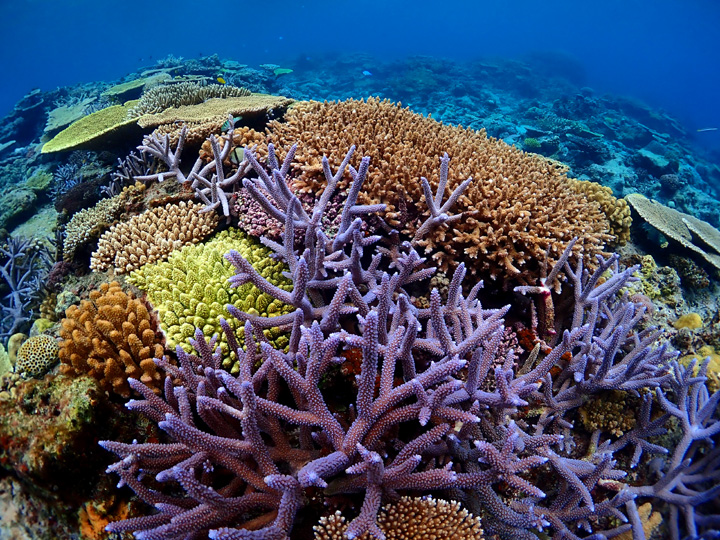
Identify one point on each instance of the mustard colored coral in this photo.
(191, 290)
(111, 337)
(693, 321)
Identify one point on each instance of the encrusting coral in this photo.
(411, 518)
(112, 337)
(191, 290)
(152, 236)
(517, 208)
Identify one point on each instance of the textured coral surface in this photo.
(111, 337)
(518, 206)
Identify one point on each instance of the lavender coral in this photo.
(439, 404)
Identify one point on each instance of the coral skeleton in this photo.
(439, 406)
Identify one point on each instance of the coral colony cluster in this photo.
(298, 324)
(380, 402)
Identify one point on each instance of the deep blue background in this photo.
(665, 52)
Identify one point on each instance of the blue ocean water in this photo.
(663, 52)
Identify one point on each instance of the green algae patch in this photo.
(47, 428)
(89, 129)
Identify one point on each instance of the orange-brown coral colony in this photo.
(518, 206)
(111, 337)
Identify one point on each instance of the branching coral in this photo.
(111, 337)
(88, 224)
(151, 236)
(246, 449)
(24, 266)
(517, 207)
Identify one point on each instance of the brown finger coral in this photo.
(111, 337)
(152, 236)
(518, 206)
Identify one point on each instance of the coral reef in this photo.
(411, 519)
(246, 449)
(90, 129)
(191, 290)
(112, 337)
(167, 96)
(86, 225)
(36, 356)
(151, 236)
(209, 117)
(24, 266)
(517, 209)
(693, 234)
(42, 440)
(616, 210)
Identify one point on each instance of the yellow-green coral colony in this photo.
(191, 290)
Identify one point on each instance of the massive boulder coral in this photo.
(518, 207)
(112, 337)
(191, 290)
(152, 236)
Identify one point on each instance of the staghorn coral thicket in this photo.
(517, 207)
(439, 405)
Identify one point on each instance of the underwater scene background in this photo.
(333, 270)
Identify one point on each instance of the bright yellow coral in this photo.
(190, 290)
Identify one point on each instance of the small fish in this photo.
(367, 73)
(221, 80)
(707, 129)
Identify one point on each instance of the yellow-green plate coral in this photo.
(191, 290)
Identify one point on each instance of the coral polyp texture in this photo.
(111, 337)
(152, 236)
(440, 404)
(37, 355)
(517, 207)
(411, 518)
(191, 290)
(88, 224)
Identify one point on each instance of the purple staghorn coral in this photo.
(440, 405)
